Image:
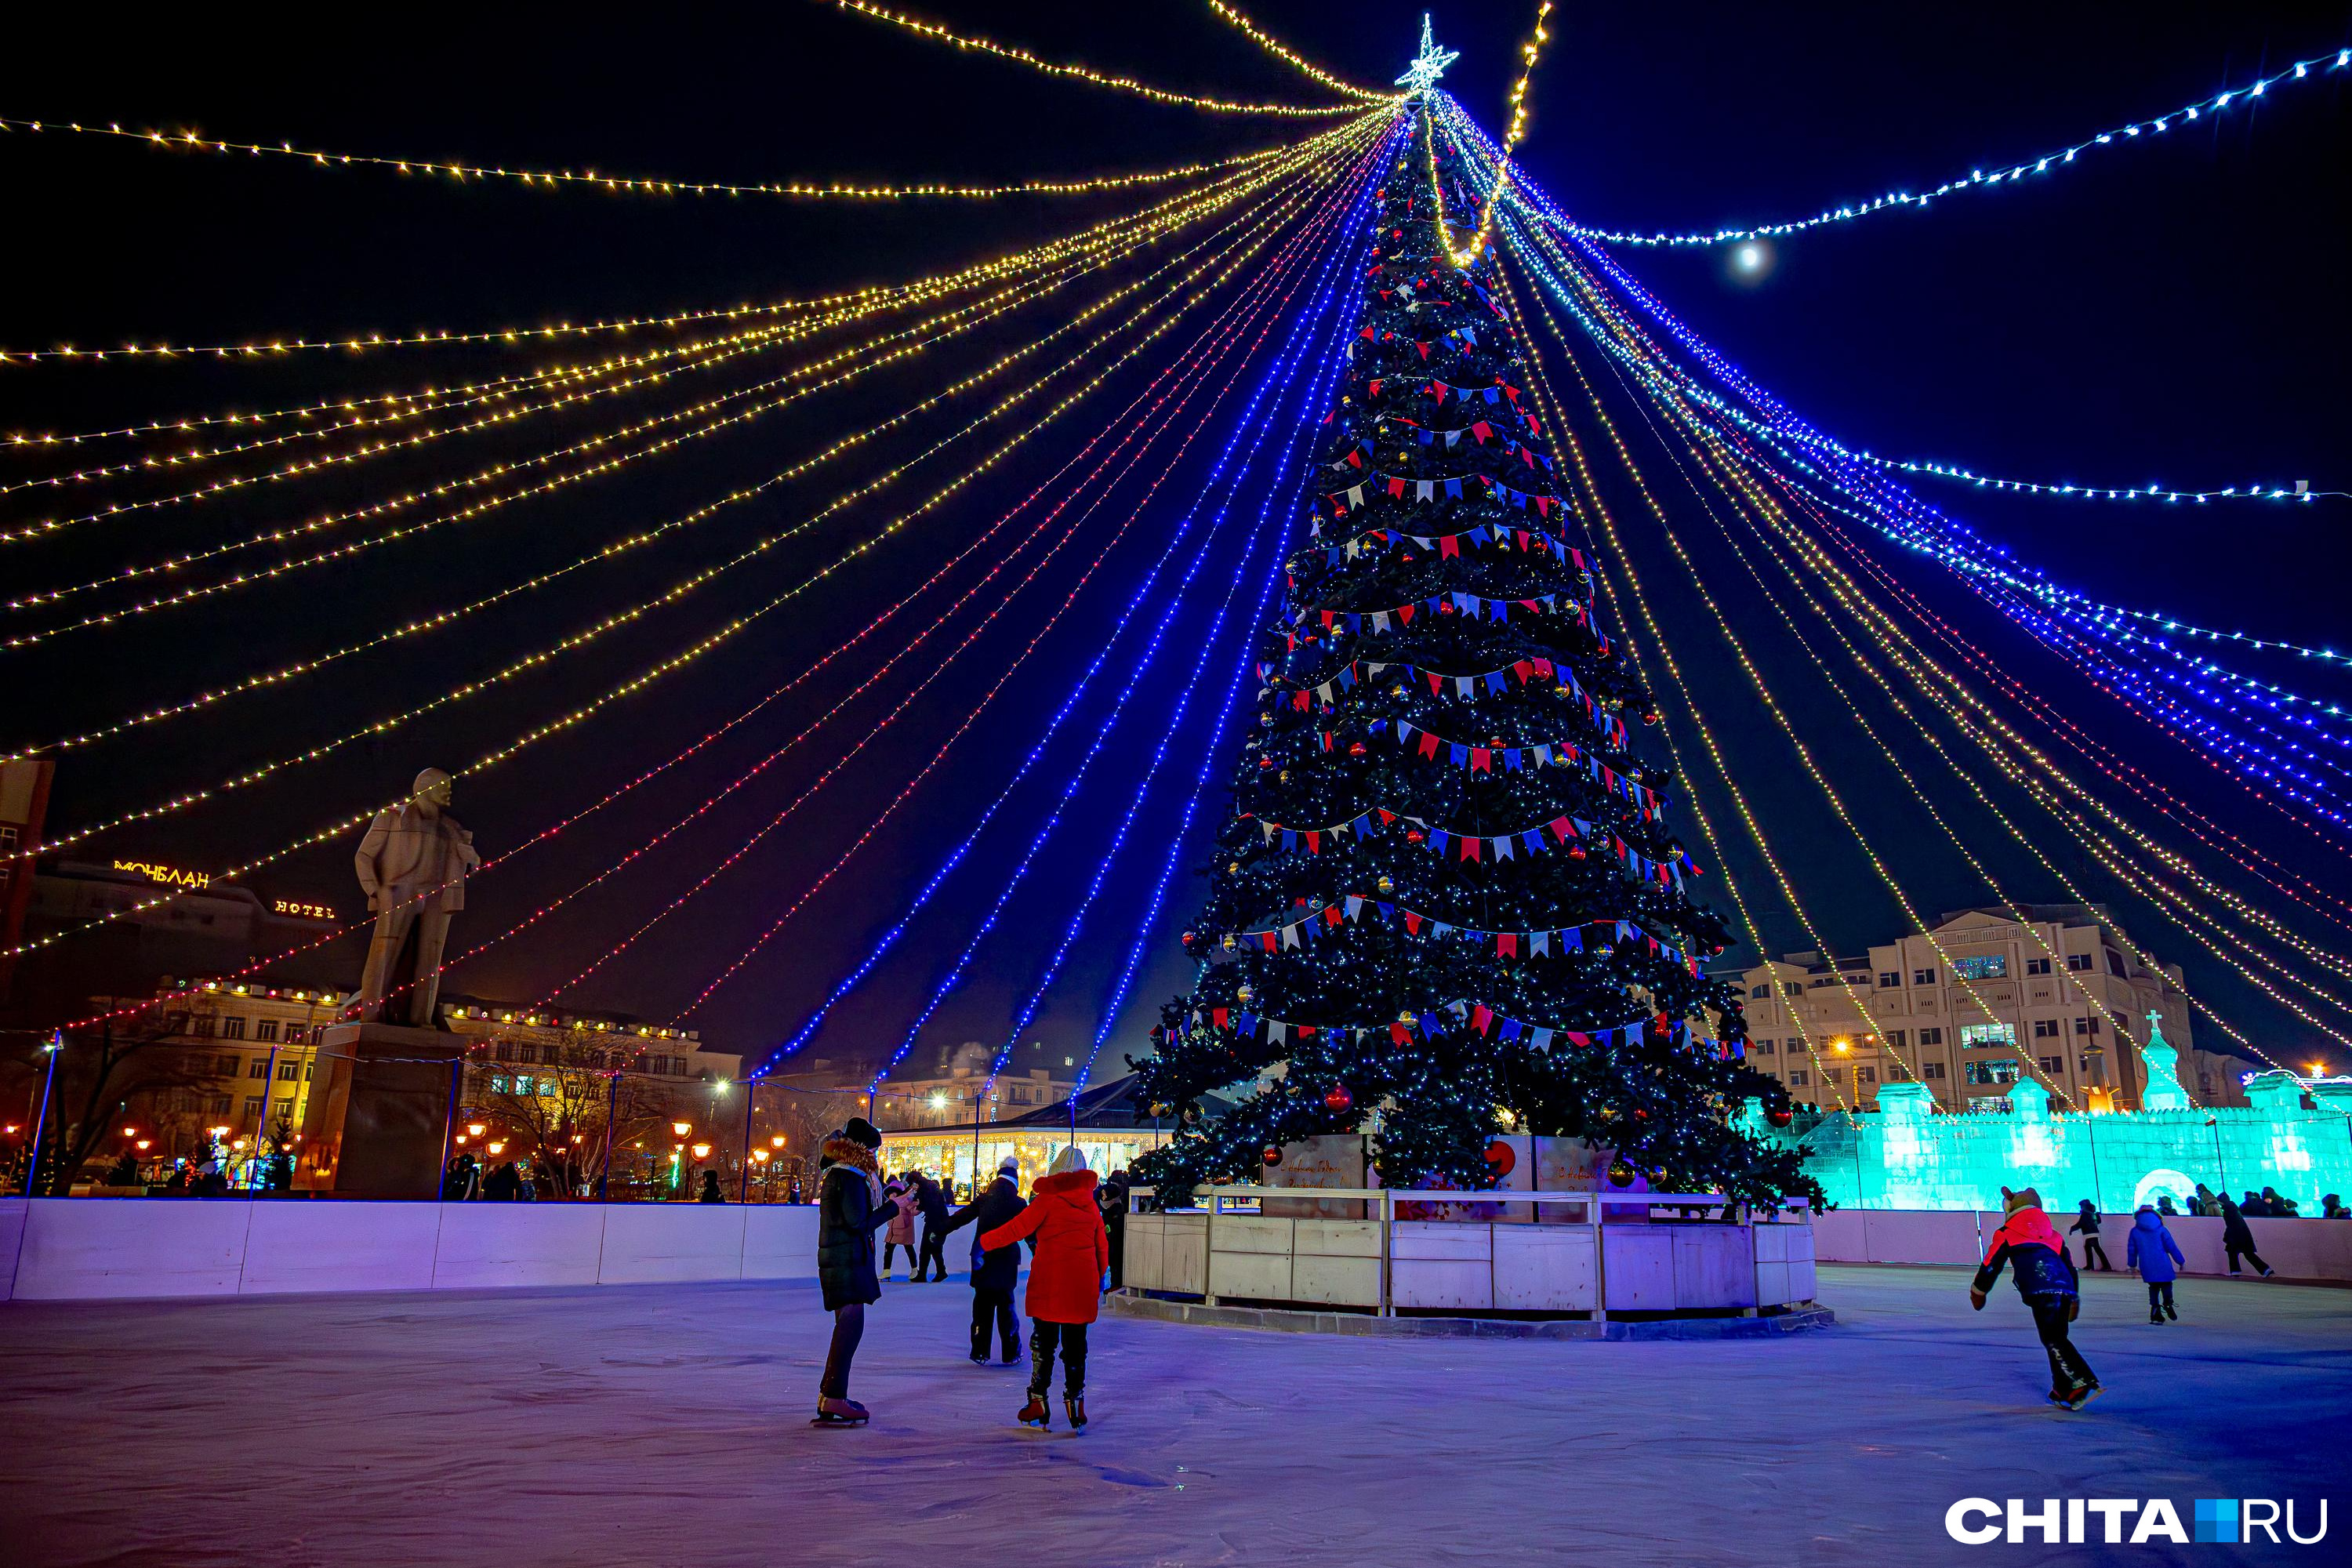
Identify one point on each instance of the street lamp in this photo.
(477, 1128)
(682, 1129)
(702, 1150)
(495, 1147)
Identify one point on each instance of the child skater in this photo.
(1066, 1278)
(2151, 1250)
(2027, 1243)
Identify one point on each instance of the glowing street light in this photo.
(495, 1147)
(778, 1140)
(682, 1129)
(477, 1128)
(702, 1150)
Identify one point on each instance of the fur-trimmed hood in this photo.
(842, 1156)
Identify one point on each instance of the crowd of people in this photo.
(1067, 1221)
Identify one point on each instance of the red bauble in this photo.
(1337, 1100)
(1779, 1116)
(1576, 851)
(1640, 1114)
(1273, 1155)
(1502, 1157)
(1357, 749)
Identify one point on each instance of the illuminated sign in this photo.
(307, 911)
(170, 876)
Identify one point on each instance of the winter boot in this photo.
(1074, 1406)
(1034, 1414)
(2169, 1313)
(839, 1413)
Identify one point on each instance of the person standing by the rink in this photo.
(2086, 1223)
(1066, 1280)
(931, 1206)
(2029, 1245)
(2238, 1238)
(994, 1274)
(849, 1208)
(2151, 1250)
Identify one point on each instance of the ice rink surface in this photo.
(668, 1425)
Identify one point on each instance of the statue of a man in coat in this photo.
(413, 865)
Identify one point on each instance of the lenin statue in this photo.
(412, 864)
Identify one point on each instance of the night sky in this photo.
(2169, 312)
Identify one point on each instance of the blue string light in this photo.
(1291, 353)
(1978, 179)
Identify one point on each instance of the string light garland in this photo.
(1978, 179)
(530, 662)
(1465, 255)
(2297, 491)
(1005, 300)
(558, 178)
(517, 336)
(1291, 57)
(283, 674)
(1079, 72)
(645, 679)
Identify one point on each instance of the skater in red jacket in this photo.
(1066, 1278)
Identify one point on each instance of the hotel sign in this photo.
(170, 876)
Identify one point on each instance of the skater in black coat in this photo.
(994, 1274)
(2238, 1238)
(931, 1203)
(2087, 1223)
(849, 1211)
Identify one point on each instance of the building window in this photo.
(1897, 1038)
(288, 1072)
(2053, 1065)
(2046, 1028)
(1981, 1036)
(1832, 1075)
(2037, 966)
(1892, 978)
(265, 1029)
(232, 1028)
(1797, 1078)
(497, 1083)
(1992, 1070)
(1923, 977)
(1757, 993)
(523, 1084)
(1931, 1069)
(2115, 964)
(225, 1066)
(503, 1051)
(176, 1023)
(253, 1107)
(1866, 1075)
(1761, 1048)
(1931, 1037)
(219, 1105)
(2080, 963)
(258, 1066)
(1984, 966)
(2089, 1025)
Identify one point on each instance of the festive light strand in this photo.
(2298, 490)
(1313, 72)
(1464, 256)
(515, 336)
(1110, 640)
(277, 677)
(557, 179)
(1080, 72)
(1978, 179)
(645, 679)
(995, 304)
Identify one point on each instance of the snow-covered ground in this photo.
(667, 1425)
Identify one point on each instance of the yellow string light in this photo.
(1249, 224)
(1588, 504)
(1512, 137)
(557, 179)
(1161, 323)
(441, 338)
(1291, 57)
(2184, 911)
(1018, 294)
(1079, 72)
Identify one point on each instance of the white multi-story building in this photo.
(2045, 994)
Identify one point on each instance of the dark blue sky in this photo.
(2170, 311)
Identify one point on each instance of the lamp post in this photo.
(682, 1132)
(55, 1048)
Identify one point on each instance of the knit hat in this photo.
(1069, 1159)
(861, 1131)
(2023, 1198)
(1008, 1166)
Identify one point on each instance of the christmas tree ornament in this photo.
(1271, 1154)
(1501, 1159)
(1620, 1173)
(1337, 1100)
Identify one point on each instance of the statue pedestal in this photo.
(379, 1111)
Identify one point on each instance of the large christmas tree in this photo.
(1450, 902)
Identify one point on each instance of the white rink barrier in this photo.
(2308, 1249)
(85, 1249)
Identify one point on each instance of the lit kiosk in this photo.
(378, 1119)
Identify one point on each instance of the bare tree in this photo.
(99, 1072)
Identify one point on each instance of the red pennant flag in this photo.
(1411, 923)
(1560, 828)
(1424, 349)
(1396, 488)
(1315, 842)
(1428, 744)
(1482, 1018)
(1385, 814)
(1470, 849)
(1527, 457)
(1436, 683)
(1405, 614)
(1373, 386)
(1506, 945)
(1482, 759)
(1525, 669)
(1217, 1016)
(1399, 1033)
(1480, 431)
(1355, 459)
(1368, 335)
(1543, 507)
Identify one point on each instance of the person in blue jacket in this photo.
(2157, 1255)
(2028, 1245)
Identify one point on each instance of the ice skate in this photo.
(1074, 1406)
(839, 1413)
(1034, 1414)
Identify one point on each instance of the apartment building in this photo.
(2047, 994)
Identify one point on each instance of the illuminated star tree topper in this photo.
(1428, 65)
